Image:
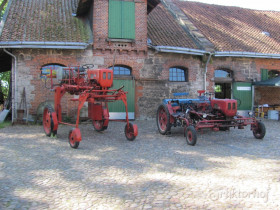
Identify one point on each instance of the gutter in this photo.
(206, 69)
(44, 45)
(181, 50)
(246, 54)
(14, 102)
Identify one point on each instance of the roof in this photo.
(235, 29)
(44, 24)
(270, 82)
(164, 30)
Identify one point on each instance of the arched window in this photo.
(222, 73)
(49, 70)
(120, 70)
(178, 74)
(273, 73)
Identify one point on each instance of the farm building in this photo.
(157, 48)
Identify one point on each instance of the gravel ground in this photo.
(229, 169)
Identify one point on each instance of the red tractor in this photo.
(92, 86)
(203, 112)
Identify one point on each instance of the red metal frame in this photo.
(92, 87)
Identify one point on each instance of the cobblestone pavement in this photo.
(229, 169)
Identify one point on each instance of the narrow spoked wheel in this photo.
(163, 119)
(191, 135)
(49, 121)
(99, 125)
(130, 131)
(259, 130)
(72, 139)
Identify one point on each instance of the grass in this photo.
(5, 124)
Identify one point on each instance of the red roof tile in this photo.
(234, 28)
(44, 21)
(164, 30)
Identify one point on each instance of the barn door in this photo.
(242, 92)
(117, 108)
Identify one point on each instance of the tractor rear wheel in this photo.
(163, 119)
(191, 135)
(99, 125)
(49, 122)
(259, 130)
(130, 131)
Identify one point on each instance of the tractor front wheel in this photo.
(99, 125)
(191, 135)
(259, 130)
(163, 119)
(130, 131)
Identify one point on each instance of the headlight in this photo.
(204, 115)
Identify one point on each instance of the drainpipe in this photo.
(205, 72)
(14, 102)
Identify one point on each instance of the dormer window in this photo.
(121, 19)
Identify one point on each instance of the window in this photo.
(222, 73)
(121, 70)
(178, 74)
(273, 73)
(269, 74)
(121, 19)
(49, 70)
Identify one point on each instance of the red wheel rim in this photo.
(47, 121)
(129, 132)
(190, 136)
(162, 119)
(71, 139)
(98, 124)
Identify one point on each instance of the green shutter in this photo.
(115, 19)
(121, 19)
(128, 20)
(264, 74)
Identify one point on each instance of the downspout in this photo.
(14, 103)
(205, 72)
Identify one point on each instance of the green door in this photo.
(242, 92)
(117, 108)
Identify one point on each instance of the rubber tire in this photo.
(167, 128)
(51, 132)
(76, 144)
(97, 128)
(129, 136)
(259, 133)
(191, 135)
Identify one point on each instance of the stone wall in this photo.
(154, 85)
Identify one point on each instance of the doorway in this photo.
(223, 90)
(223, 84)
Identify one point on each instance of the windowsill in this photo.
(120, 40)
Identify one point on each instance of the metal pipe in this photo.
(178, 50)
(43, 45)
(205, 72)
(14, 103)
(246, 54)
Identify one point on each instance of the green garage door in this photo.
(242, 92)
(117, 108)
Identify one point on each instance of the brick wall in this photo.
(38, 91)
(267, 95)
